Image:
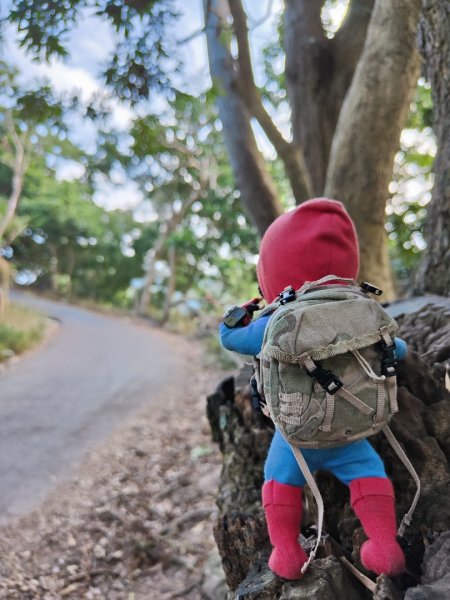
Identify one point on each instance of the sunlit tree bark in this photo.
(369, 128)
(348, 96)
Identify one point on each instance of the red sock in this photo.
(283, 509)
(372, 499)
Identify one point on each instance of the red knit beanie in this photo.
(315, 239)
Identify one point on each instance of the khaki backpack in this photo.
(327, 372)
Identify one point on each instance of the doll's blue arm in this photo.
(401, 348)
(245, 340)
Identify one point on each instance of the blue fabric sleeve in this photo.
(245, 340)
(401, 348)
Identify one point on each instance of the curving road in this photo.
(61, 398)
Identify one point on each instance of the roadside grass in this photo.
(216, 355)
(20, 329)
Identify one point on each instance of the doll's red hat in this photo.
(315, 239)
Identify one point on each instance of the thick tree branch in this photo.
(318, 74)
(290, 154)
(156, 251)
(347, 46)
(19, 167)
(257, 188)
(368, 131)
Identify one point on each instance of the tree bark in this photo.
(5, 275)
(318, 74)
(258, 192)
(369, 128)
(422, 426)
(434, 273)
(19, 166)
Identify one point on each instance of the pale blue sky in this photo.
(90, 45)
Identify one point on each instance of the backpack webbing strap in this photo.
(391, 383)
(354, 401)
(317, 497)
(381, 402)
(329, 412)
(405, 460)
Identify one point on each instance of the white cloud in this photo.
(69, 170)
(77, 76)
(125, 197)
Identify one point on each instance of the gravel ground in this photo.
(135, 521)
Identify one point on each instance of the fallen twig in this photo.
(366, 581)
(181, 593)
(194, 515)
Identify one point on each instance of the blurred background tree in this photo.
(326, 98)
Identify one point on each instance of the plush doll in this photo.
(314, 240)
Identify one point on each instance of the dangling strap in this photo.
(405, 460)
(391, 384)
(317, 497)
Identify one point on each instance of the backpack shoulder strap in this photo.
(317, 497)
(406, 462)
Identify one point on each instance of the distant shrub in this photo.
(20, 329)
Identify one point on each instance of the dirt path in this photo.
(69, 394)
(135, 522)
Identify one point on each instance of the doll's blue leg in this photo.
(281, 465)
(282, 501)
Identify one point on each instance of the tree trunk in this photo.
(154, 253)
(318, 74)
(171, 286)
(19, 166)
(423, 428)
(5, 275)
(369, 127)
(258, 192)
(434, 273)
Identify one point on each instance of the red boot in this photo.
(372, 499)
(283, 508)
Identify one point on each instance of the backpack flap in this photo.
(324, 324)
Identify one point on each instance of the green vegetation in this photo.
(20, 329)
(188, 249)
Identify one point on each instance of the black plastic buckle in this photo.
(258, 401)
(287, 295)
(388, 362)
(368, 288)
(327, 379)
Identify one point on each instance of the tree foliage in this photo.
(188, 157)
(141, 59)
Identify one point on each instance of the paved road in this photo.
(60, 399)
(410, 305)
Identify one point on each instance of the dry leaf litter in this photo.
(135, 521)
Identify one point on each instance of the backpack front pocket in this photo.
(303, 412)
